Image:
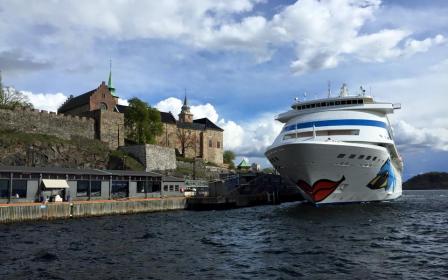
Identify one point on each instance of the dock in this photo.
(20, 212)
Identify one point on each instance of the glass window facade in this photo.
(19, 188)
(4, 188)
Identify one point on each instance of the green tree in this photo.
(142, 122)
(11, 98)
(269, 170)
(228, 158)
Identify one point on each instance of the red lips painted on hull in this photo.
(321, 189)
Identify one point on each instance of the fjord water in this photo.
(407, 238)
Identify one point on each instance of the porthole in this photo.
(361, 157)
(341, 155)
(374, 158)
(352, 156)
(368, 157)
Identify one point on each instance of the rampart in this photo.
(43, 122)
(153, 157)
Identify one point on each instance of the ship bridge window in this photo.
(352, 156)
(331, 103)
(374, 158)
(341, 155)
(323, 104)
(360, 101)
(313, 105)
(368, 157)
(349, 102)
(289, 136)
(343, 102)
(308, 106)
(361, 157)
(337, 132)
(338, 102)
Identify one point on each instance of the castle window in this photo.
(218, 144)
(103, 106)
(104, 95)
(210, 143)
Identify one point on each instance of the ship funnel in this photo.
(344, 90)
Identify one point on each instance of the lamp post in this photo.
(124, 162)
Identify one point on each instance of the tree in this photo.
(11, 98)
(142, 122)
(228, 158)
(187, 140)
(269, 170)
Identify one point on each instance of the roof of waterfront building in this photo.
(172, 179)
(80, 171)
(244, 164)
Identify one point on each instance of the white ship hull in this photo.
(322, 177)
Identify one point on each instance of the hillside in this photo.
(427, 181)
(32, 149)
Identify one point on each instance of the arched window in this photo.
(103, 106)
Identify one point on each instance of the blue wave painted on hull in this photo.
(359, 122)
(384, 179)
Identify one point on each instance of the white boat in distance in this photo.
(339, 149)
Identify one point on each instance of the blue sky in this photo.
(241, 61)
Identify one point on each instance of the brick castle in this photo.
(199, 138)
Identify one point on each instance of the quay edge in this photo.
(36, 211)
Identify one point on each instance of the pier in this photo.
(21, 212)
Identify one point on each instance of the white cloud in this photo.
(174, 105)
(323, 33)
(422, 122)
(46, 101)
(410, 137)
(204, 111)
(251, 138)
(123, 102)
(171, 104)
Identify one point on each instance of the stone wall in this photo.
(110, 128)
(153, 157)
(42, 122)
(212, 143)
(198, 143)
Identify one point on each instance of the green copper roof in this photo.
(244, 163)
(109, 83)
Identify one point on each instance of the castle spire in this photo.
(185, 114)
(109, 83)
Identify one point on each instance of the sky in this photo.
(241, 62)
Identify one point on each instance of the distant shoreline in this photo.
(432, 189)
(428, 181)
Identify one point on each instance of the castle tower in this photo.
(185, 115)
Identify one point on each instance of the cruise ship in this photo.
(339, 149)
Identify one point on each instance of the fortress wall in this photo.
(43, 122)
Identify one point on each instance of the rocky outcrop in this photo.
(17, 148)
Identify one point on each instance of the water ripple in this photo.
(405, 239)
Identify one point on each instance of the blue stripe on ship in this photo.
(336, 123)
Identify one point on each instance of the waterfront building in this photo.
(30, 184)
(172, 186)
(244, 165)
